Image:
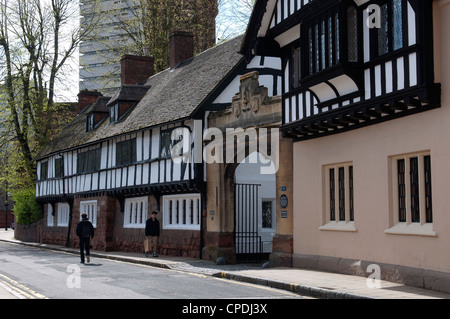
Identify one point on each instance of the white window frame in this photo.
(90, 208)
(170, 220)
(136, 212)
(346, 225)
(63, 215)
(50, 217)
(421, 228)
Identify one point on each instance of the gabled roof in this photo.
(173, 94)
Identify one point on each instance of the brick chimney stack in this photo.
(86, 97)
(181, 47)
(136, 69)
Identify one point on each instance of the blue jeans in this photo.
(84, 245)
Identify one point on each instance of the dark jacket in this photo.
(152, 227)
(85, 223)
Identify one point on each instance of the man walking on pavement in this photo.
(152, 234)
(85, 231)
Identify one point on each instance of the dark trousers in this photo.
(84, 245)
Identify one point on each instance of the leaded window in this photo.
(44, 171)
(59, 167)
(332, 195)
(296, 68)
(89, 161)
(126, 152)
(267, 213)
(391, 34)
(352, 34)
(401, 190)
(340, 193)
(324, 40)
(383, 31)
(323, 44)
(428, 197)
(398, 24)
(413, 189)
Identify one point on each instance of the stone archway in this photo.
(252, 109)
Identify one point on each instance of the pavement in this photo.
(309, 283)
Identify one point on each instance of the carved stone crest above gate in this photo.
(251, 95)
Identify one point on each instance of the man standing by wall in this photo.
(152, 235)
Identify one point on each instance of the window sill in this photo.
(134, 226)
(339, 226)
(181, 227)
(413, 229)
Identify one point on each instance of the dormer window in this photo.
(124, 100)
(114, 113)
(97, 113)
(90, 122)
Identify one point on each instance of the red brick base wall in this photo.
(110, 235)
(185, 243)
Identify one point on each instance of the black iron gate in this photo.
(248, 243)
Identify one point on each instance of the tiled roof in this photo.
(172, 95)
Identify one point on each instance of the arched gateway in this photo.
(246, 178)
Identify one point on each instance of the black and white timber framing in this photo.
(347, 64)
(61, 176)
(148, 169)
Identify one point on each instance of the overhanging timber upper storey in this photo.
(347, 64)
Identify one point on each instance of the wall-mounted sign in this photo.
(283, 188)
(283, 214)
(283, 201)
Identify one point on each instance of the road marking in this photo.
(18, 289)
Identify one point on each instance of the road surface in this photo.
(31, 273)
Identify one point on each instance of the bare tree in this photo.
(233, 18)
(37, 38)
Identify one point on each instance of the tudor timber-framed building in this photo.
(362, 100)
(113, 160)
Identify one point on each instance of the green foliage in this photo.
(37, 38)
(26, 209)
